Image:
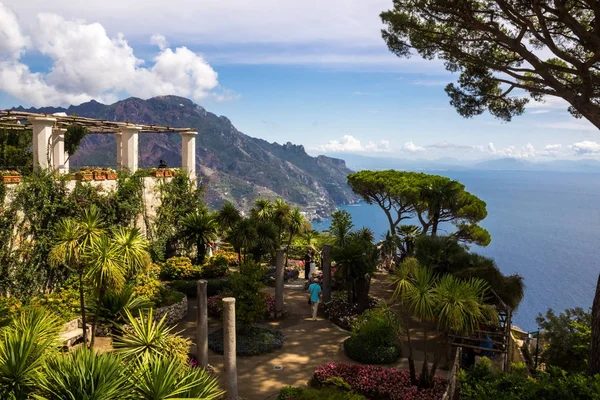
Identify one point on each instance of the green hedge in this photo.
(190, 288)
(366, 353)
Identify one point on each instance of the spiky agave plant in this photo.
(25, 345)
(147, 338)
(86, 374)
(160, 378)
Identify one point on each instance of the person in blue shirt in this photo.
(315, 294)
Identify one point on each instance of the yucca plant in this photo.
(115, 304)
(85, 375)
(25, 345)
(146, 338)
(159, 378)
(133, 247)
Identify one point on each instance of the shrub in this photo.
(483, 384)
(216, 286)
(378, 383)
(215, 303)
(148, 286)
(230, 256)
(328, 393)
(367, 353)
(168, 297)
(269, 276)
(9, 308)
(217, 267)
(176, 268)
(342, 313)
(245, 287)
(63, 303)
(189, 288)
(250, 341)
(177, 347)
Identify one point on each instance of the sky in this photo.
(315, 73)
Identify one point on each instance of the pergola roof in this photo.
(20, 120)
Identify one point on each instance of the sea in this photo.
(545, 226)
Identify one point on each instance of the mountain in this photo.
(234, 167)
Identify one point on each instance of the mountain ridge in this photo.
(234, 166)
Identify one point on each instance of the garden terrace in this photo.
(48, 132)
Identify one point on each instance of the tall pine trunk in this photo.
(82, 305)
(594, 359)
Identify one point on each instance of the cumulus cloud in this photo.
(411, 147)
(586, 147)
(350, 144)
(550, 150)
(449, 146)
(88, 64)
(527, 151)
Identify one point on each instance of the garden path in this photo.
(308, 345)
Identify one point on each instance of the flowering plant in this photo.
(342, 313)
(378, 383)
(10, 172)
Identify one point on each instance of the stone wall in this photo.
(175, 312)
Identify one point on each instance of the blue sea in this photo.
(544, 226)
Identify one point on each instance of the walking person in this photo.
(307, 258)
(315, 295)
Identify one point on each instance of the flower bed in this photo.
(341, 313)
(378, 383)
(269, 277)
(250, 341)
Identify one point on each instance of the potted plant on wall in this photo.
(157, 172)
(85, 174)
(111, 174)
(99, 174)
(10, 176)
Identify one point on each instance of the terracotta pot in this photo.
(158, 174)
(99, 176)
(168, 174)
(11, 179)
(85, 176)
(111, 176)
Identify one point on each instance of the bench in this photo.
(72, 332)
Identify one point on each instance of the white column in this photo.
(58, 150)
(129, 143)
(119, 138)
(279, 271)
(188, 152)
(42, 133)
(230, 348)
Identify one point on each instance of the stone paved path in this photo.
(308, 345)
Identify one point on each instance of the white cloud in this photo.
(159, 40)
(350, 144)
(586, 147)
(12, 41)
(411, 147)
(449, 146)
(527, 151)
(539, 112)
(89, 64)
(550, 150)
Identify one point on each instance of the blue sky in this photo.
(316, 73)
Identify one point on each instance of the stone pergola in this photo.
(49, 138)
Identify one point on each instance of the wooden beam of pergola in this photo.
(19, 120)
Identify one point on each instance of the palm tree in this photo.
(133, 247)
(408, 234)
(357, 261)
(200, 228)
(341, 226)
(243, 236)
(402, 278)
(281, 217)
(309, 236)
(73, 239)
(25, 346)
(262, 210)
(266, 238)
(228, 216)
(106, 271)
(295, 226)
(388, 248)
